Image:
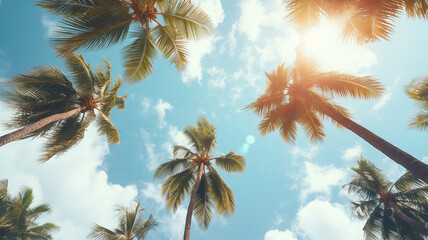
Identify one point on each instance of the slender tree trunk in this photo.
(192, 203)
(414, 224)
(18, 134)
(413, 165)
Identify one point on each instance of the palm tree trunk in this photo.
(18, 134)
(413, 165)
(192, 203)
(414, 224)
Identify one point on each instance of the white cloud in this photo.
(217, 77)
(50, 25)
(146, 104)
(387, 95)
(307, 153)
(319, 179)
(200, 48)
(280, 235)
(152, 158)
(160, 109)
(322, 220)
(256, 14)
(351, 154)
(73, 184)
(153, 191)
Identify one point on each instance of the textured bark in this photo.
(413, 223)
(192, 203)
(413, 165)
(18, 134)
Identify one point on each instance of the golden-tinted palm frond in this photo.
(194, 138)
(206, 132)
(277, 80)
(100, 26)
(67, 8)
(139, 56)
(171, 45)
(420, 121)
(346, 85)
(220, 192)
(107, 128)
(418, 90)
(68, 133)
(177, 186)
(416, 8)
(171, 167)
(371, 20)
(102, 233)
(83, 77)
(266, 103)
(203, 204)
(304, 12)
(186, 18)
(182, 152)
(311, 123)
(231, 162)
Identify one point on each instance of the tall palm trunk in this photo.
(414, 224)
(18, 134)
(192, 203)
(413, 165)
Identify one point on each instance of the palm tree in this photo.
(418, 90)
(90, 24)
(131, 225)
(361, 21)
(191, 172)
(18, 219)
(393, 210)
(49, 104)
(302, 95)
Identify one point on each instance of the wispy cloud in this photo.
(352, 153)
(280, 235)
(386, 97)
(161, 107)
(217, 77)
(50, 25)
(320, 179)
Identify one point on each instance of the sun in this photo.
(324, 44)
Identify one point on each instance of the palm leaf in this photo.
(182, 152)
(66, 7)
(99, 27)
(304, 12)
(145, 227)
(177, 186)
(345, 85)
(139, 56)
(278, 80)
(171, 167)
(231, 162)
(416, 8)
(203, 204)
(420, 121)
(311, 123)
(107, 128)
(171, 45)
(82, 75)
(186, 18)
(194, 137)
(220, 192)
(102, 233)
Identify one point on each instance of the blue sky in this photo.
(286, 192)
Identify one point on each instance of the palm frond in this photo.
(363, 209)
(304, 12)
(206, 132)
(186, 18)
(408, 181)
(171, 167)
(171, 44)
(139, 56)
(145, 227)
(177, 186)
(311, 123)
(416, 8)
(83, 77)
(231, 162)
(345, 85)
(68, 8)
(107, 128)
(194, 137)
(278, 80)
(101, 26)
(102, 233)
(68, 133)
(220, 192)
(420, 121)
(266, 103)
(203, 204)
(182, 152)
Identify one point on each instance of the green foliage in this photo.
(91, 25)
(302, 96)
(418, 90)
(182, 172)
(18, 218)
(377, 195)
(46, 91)
(131, 225)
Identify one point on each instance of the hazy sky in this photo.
(286, 191)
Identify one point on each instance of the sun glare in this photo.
(324, 44)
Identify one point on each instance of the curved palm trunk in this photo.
(192, 203)
(18, 134)
(414, 224)
(413, 165)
